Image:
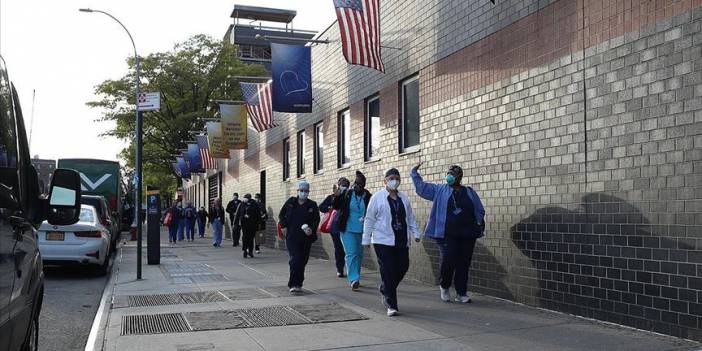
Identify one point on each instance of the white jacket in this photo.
(377, 225)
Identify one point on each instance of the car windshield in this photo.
(86, 215)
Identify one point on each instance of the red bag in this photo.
(280, 232)
(168, 219)
(326, 225)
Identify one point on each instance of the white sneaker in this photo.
(445, 295)
(463, 299)
(392, 312)
(296, 289)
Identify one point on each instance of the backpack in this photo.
(189, 213)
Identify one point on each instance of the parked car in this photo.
(22, 210)
(85, 242)
(100, 204)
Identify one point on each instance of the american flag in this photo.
(207, 161)
(359, 26)
(259, 104)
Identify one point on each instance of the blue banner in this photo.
(184, 171)
(194, 158)
(292, 78)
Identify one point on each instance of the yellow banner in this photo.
(233, 126)
(215, 141)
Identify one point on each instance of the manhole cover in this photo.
(272, 316)
(215, 320)
(326, 313)
(246, 294)
(154, 324)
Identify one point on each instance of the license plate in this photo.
(55, 236)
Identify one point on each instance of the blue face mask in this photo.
(450, 179)
(302, 195)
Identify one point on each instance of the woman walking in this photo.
(326, 207)
(351, 207)
(217, 218)
(173, 225)
(457, 219)
(299, 218)
(388, 225)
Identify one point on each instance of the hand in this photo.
(284, 231)
(416, 167)
(308, 231)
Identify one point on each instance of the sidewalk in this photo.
(206, 298)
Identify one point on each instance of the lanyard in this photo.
(396, 207)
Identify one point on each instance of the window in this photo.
(300, 153)
(318, 147)
(286, 159)
(343, 138)
(8, 138)
(372, 128)
(409, 119)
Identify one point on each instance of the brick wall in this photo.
(589, 162)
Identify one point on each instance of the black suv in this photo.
(22, 209)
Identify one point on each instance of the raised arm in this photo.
(423, 189)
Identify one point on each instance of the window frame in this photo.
(368, 152)
(286, 159)
(300, 147)
(402, 147)
(341, 149)
(318, 151)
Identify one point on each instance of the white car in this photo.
(85, 242)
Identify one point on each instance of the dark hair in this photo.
(344, 180)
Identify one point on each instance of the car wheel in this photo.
(32, 341)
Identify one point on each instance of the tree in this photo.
(190, 77)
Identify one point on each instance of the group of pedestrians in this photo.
(181, 222)
(386, 221)
(247, 216)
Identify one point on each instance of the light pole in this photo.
(139, 142)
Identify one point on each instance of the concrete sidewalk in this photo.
(206, 298)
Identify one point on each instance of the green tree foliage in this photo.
(191, 76)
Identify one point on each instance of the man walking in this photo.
(231, 209)
(456, 220)
(248, 217)
(260, 238)
(201, 221)
(189, 214)
(299, 218)
(181, 221)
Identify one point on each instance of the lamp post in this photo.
(139, 142)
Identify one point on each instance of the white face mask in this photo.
(393, 184)
(342, 188)
(245, 200)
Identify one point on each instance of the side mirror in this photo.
(64, 197)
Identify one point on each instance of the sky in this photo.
(60, 53)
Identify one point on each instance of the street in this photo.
(71, 298)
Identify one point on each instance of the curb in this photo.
(96, 337)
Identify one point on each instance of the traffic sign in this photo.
(149, 101)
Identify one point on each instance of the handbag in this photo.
(326, 225)
(168, 219)
(280, 231)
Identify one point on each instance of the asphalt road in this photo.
(71, 298)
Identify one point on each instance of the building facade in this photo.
(579, 123)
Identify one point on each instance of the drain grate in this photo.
(154, 324)
(153, 300)
(215, 320)
(202, 297)
(246, 294)
(327, 313)
(272, 316)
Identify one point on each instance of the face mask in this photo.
(235, 198)
(302, 195)
(245, 200)
(450, 179)
(358, 188)
(393, 184)
(342, 188)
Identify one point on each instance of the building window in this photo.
(409, 119)
(372, 128)
(300, 153)
(318, 147)
(343, 138)
(286, 158)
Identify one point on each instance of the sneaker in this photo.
(355, 285)
(340, 275)
(445, 295)
(463, 299)
(392, 312)
(258, 252)
(296, 289)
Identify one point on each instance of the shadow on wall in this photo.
(606, 260)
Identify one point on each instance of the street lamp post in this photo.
(139, 142)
